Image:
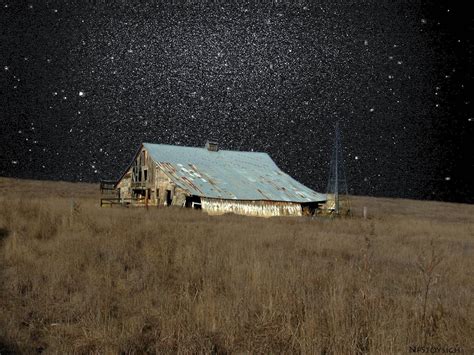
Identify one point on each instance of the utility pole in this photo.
(337, 183)
(336, 154)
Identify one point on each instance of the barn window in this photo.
(145, 175)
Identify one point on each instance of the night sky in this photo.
(83, 83)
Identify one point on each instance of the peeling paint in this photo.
(251, 208)
(229, 174)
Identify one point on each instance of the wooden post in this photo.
(365, 212)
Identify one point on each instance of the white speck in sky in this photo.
(366, 42)
(82, 94)
(356, 157)
(6, 68)
(447, 178)
(372, 110)
(423, 21)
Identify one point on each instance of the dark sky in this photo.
(83, 83)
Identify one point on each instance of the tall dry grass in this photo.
(78, 278)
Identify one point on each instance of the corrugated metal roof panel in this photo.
(229, 174)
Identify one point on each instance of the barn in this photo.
(216, 181)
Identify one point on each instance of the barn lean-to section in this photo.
(217, 181)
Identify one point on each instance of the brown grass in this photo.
(78, 278)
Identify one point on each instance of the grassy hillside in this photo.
(78, 278)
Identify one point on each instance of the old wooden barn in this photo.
(217, 181)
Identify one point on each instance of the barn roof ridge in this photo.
(203, 148)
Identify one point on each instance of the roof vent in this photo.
(212, 146)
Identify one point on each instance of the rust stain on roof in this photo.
(229, 174)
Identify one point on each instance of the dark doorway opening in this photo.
(139, 193)
(309, 208)
(193, 202)
(168, 198)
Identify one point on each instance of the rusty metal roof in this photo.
(229, 174)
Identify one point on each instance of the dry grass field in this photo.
(75, 278)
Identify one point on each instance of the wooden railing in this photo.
(109, 202)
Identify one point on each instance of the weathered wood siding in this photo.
(157, 183)
(134, 178)
(163, 184)
(125, 185)
(251, 208)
